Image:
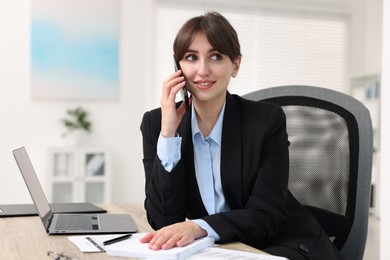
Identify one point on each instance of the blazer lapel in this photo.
(231, 176)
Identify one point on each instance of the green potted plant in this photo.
(77, 121)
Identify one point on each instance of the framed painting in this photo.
(74, 49)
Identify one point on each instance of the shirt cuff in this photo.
(210, 231)
(168, 151)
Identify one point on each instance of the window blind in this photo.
(278, 48)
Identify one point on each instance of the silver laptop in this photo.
(56, 223)
(20, 210)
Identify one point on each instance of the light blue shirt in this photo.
(207, 159)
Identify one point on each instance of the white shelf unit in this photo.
(366, 88)
(79, 174)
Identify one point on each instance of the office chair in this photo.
(331, 147)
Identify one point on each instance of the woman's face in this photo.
(207, 71)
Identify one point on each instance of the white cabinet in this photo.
(79, 174)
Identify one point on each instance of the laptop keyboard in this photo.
(77, 222)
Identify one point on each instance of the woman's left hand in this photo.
(179, 234)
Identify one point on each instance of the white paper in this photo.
(134, 248)
(216, 253)
(91, 244)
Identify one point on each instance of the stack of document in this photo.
(132, 247)
(198, 250)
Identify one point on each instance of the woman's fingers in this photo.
(171, 83)
(170, 89)
(148, 237)
(179, 234)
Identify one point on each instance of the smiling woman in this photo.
(74, 49)
(224, 166)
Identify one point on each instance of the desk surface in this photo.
(25, 237)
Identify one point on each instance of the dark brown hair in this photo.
(219, 32)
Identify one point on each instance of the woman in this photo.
(224, 165)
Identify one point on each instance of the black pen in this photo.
(117, 239)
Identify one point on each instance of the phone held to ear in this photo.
(183, 91)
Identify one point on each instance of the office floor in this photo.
(372, 245)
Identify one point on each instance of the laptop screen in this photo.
(33, 185)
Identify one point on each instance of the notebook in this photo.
(57, 223)
(20, 210)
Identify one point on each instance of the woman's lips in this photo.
(204, 84)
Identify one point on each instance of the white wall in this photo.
(385, 139)
(365, 37)
(35, 124)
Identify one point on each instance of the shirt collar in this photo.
(216, 132)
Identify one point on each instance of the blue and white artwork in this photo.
(74, 49)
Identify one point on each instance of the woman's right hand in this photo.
(171, 116)
(178, 234)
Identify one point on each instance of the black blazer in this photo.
(254, 176)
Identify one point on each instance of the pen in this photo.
(117, 239)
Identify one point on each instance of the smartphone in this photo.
(183, 91)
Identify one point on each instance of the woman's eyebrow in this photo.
(195, 51)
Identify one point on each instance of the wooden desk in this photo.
(25, 237)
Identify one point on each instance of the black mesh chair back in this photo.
(330, 136)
